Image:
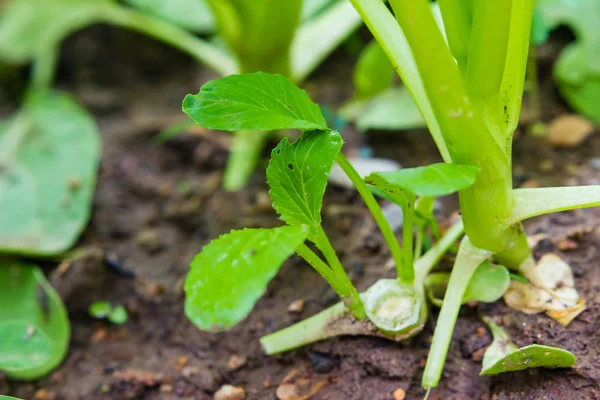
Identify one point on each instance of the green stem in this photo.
(457, 23)
(308, 331)
(407, 235)
(468, 259)
(419, 242)
(246, 149)
(44, 67)
(208, 54)
(406, 274)
(424, 264)
(353, 298)
(323, 269)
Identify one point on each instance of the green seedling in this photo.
(104, 310)
(231, 273)
(469, 88)
(34, 327)
(291, 38)
(577, 71)
(504, 356)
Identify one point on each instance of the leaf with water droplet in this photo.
(232, 272)
(503, 356)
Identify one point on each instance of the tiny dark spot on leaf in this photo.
(278, 151)
(291, 167)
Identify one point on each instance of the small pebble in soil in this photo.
(166, 388)
(236, 362)
(229, 392)
(149, 240)
(296, 306)
(44, 394)
(569, 131)
(595, 163)
(321, 363)
(399, 394)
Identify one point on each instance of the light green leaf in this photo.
(504, 356)
(118, 315)
(488, 283)
(577, 71)
(393, 109)
(49, 156)
(26, 26)
(374, 73)
(433, 180)
(256, 101)
(34, 327)
(232, 272)
(100, 309)
(297, 176)
(194, 15)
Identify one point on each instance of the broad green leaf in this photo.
(393, 109)
(100, 309)
(2, 397)
(297, 176)
(49, 156)
(118, 315)
(488, 283)
(232, 272)
(374, 73)
(434, 180)
(27, 26)
(504, 356)
(577, 71)
(34, 327)
(194, 15)
(256, 101)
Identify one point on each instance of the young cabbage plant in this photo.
(291, 38)
(231, 273)
(469, 91)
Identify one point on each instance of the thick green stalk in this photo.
(206, 53)
(457, 23)
(405, 273)
(468, 259)
(44, 67)
(467, 136)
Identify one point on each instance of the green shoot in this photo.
(104, 310)
(504, 356)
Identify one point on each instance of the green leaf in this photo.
(49, 156)
(577, 70)
(389, 190)
(100, 309)
(118, 315)
(194, 15)
(434, 180)
(312, 8)
(27, 26)
(34, 327)
(393, 109)
(374, 72)
(504, 356)
(232, 272)
(488, 283)
(257, 101)
(297, 177)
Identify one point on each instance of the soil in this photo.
(157, 205)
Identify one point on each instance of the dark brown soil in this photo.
(157, 205)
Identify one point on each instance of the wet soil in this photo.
(157, 205)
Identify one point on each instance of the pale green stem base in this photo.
(467, 261)
(245, 152)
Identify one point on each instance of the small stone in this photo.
(236, 362)
(569, 130)
(287, 391)
(321, 363)
(567, 244)
(154, 290)
(296, 306)
(166, 388)
(181, 362)
(595, 163)
(99, 336)
(480, 331)
(263, 201)
(44, 394)
(399, 394)
(149, 240)
(531, 184)
(229, 392)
